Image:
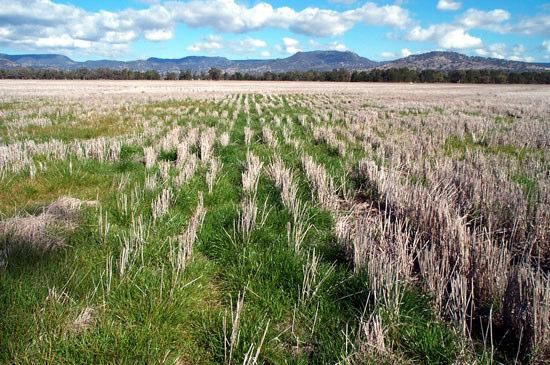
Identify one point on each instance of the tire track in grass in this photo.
(264, 270)
(215, 244)
(317, 334)
(247, 268)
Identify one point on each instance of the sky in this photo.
(240, 29)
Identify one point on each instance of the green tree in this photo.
(214, 73)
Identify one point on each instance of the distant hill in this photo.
(40, 60)
(301, 61)
(450, 61)
(322, 61)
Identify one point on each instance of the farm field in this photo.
(273, 222)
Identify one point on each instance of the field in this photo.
(271, 223)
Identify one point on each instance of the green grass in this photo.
(146, 317)
(457, 146)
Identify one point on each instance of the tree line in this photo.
(340, 75)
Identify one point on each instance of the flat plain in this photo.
(205, 222)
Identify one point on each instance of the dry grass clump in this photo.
(372, 342)
(526, 309)
(472, 193)
(224, 139)
(248, 213)
(327, 135)
(186, 170)
(150, 157)
(132, 242)
(284, 179)
(214, 167)
(468, 269)
(101, 149)
(312, 279)
(251, 175)
(46, 230)
(85, 319)
(248, 134)
(181, 254)
(182, 152)
(268, 137)
(161, 204)
(387, 249)
(232, 335)
(206, 144)
(322, 184)
(285, 182)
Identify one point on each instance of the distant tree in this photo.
(151, 75)
(214, 73)
(172, 76)
(186, 75)
(457, 76)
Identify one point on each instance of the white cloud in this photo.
(44, 24)
(519, 49)
(4, 32)
(392, 15)
(490, 20)
(445, 35)
(320, 22)
(405, 52)
(458, 39)
(157, 35)
(337, 46)
(222, 15)
(482, 52)
(208, 44)
(290, 42)
(448, 5)
(538, 24)
(546, 45)
(35, 24)
(291, 45)
(246, 46)
(214, 43)
(64, 41)
(228, 16)
(518, 54)
(419, 34)
(252, 42)
(497, 50)
(331, 46)
(500, 51)
(457, 35)
(265, 54)
(119, 37)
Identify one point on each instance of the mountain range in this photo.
(301, 61)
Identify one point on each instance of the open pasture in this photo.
(269, 223)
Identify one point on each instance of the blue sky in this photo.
(379, 30)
